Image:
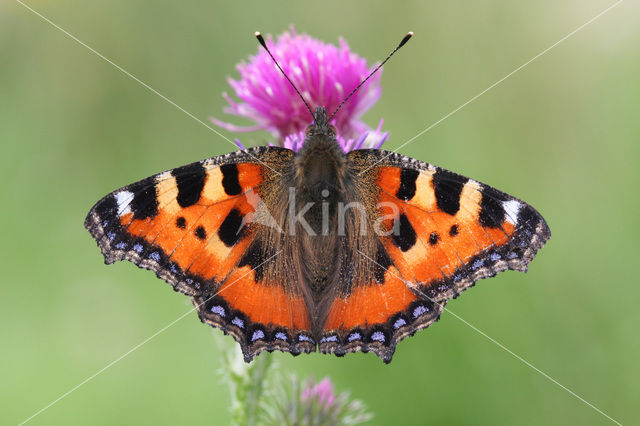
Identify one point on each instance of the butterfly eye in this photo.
(332, 129)
(309, 129)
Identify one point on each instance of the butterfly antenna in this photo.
(404, 40)
(262, 42)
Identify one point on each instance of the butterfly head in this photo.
(321, 126)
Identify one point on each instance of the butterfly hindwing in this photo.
(195, 227)
(439, 233)
(375, 314)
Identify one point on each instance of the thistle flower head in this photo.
(321, 393)
(323, 73)
(311, 403)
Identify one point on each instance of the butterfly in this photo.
(317, 249)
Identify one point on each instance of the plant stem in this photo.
(255, 386)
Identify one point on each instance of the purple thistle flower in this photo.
(321, 392)
(324, 74)
(308, 403)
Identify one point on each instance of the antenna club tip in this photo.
(260, 39)
(405, 39)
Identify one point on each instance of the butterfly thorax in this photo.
(320, 164)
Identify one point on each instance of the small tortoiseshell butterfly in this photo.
(317, 249)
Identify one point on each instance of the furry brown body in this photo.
(324, 222)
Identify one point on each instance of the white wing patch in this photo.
(511, 208)
(123, 198)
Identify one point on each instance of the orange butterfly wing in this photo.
(197, 227)
(439, 233)
(194, 226)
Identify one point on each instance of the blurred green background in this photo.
(562, 134)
